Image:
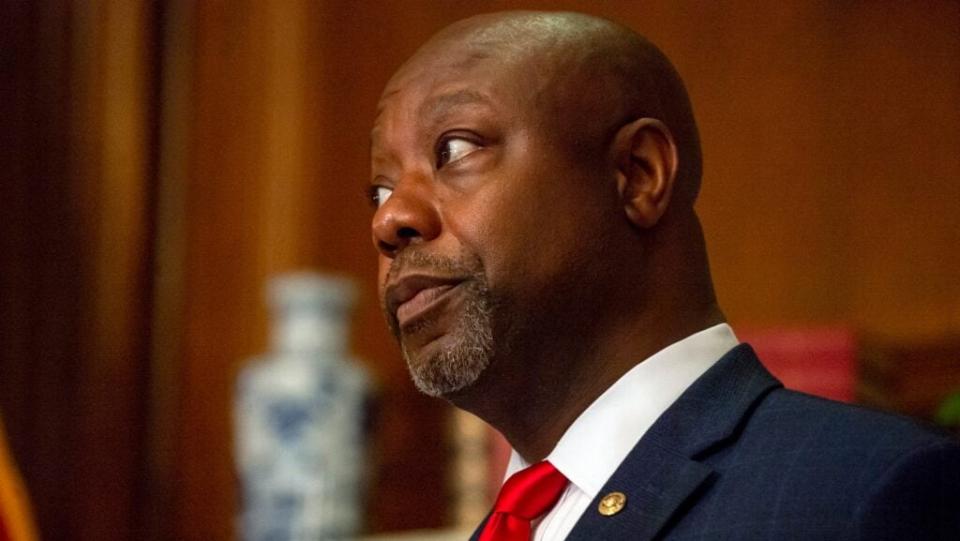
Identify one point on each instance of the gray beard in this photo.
(460, 365)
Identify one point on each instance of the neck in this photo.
(534, 416)
(535, 394)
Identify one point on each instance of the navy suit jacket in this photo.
(737, 456)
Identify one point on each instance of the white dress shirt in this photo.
(619, 418)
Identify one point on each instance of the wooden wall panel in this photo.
(78, 288)
(162, 479)
(902, 160)
(831, 194)
(112, 169)
(222, 314)
(40, 253)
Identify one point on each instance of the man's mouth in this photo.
(421, 303)
(413, 297)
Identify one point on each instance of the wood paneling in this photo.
(112, 172)
(831, 191)
(77, 273)
(40, 252)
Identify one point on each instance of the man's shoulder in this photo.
(816, 437)
(740, 457)
(843, 471)
(739, 403)
(861, 455)
(794, 415)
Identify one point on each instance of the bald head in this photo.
(585, 75)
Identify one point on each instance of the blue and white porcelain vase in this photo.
(299, 419)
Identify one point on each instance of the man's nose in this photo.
(407, 217)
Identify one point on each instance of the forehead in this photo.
(441, 81)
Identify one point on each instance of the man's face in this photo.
(481, 220)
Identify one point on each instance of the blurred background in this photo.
(159, 161)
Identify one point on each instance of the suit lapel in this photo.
(653, 493)
(663, 471)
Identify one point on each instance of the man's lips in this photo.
(410, 296)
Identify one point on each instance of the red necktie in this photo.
(525, 496)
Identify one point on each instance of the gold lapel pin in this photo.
(612, 503)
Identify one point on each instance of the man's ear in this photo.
(646, 162)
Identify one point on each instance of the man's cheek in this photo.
(383, 268)
(382, 271)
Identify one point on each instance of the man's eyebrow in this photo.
(439, 106)
(433, 110)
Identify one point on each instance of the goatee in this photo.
(459, 364)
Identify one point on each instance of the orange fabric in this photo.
(16, 522)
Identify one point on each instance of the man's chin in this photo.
(443, 369)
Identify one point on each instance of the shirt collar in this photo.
(627, 409)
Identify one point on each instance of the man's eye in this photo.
(454, 149)
(379, 195)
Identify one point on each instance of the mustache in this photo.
(413, 261)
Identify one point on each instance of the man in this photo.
(542, 267)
